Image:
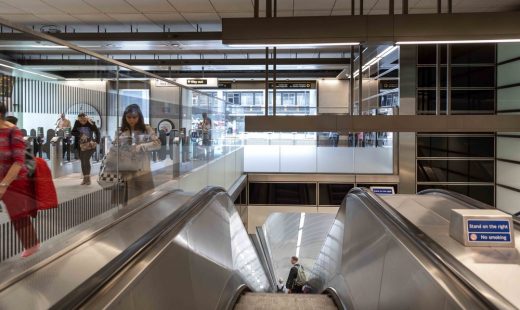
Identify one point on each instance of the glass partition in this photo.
(108, 134)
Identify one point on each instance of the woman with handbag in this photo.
(86, 140)
(134, 142)
(16, 192)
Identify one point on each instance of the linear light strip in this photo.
(458, 41)
(27, 71)
(300, 232)
(293, 45)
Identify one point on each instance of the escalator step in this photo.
(264, 301)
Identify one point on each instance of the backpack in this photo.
(301, 278)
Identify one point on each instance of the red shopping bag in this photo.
(44, 190)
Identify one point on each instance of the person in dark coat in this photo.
(85, 132)
(291, 285)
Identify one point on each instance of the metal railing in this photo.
(52, 222)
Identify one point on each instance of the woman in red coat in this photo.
(15, 187)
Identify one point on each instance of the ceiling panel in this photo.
(202, 17)
(285, 5)
(165, 18)
(23, 18)
(129, 18)
(192, 5)
(236, 14)
(152, 6)
(311, 13)
(112, 6)
(73, 6)
(5, 8)
(34, 6)
(245, 6)
(322, 5)
(61, 18)
(95, 18)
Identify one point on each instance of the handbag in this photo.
(44, 189)
(124, 159)
(107, 177)
(87, 146)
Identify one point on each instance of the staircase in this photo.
(271, 301)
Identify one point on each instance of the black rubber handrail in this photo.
(468, 201)
(79, 295)
(479, 290)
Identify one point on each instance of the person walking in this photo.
(86, 139)
(135, 140)
(297, 278)
(16, 192)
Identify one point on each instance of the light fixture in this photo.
(300, 232)
(30, 72)
(377, 58)
(458, 41)
(293, 45)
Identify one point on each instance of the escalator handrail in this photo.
(93, 284)
(267, 256)
(468, 201)
(446, 263)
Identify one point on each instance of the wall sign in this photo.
(197, 81)
(488, 230)
(382, 190)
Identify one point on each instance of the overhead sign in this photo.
(293, 85)
(197, 82)
(382, 190)
(476, 227)
(388, 84)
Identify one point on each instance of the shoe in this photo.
(87, 180)
(30, 251)
(84, 182)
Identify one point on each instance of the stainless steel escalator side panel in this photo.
(42, 289)
(497, 268)
(198, 266)
(372, 265)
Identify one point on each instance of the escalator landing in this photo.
(271, 301)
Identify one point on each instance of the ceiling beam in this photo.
(371, 28)
(120, 36)
(186, 62)
(384, 123)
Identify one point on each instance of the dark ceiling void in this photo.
(251, 74)
(121, 36)
(186, 62)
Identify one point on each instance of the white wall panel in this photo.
(335, 159)
(297, 158)
(261, 158)
(333, 96)
(507, 51)
(508, 200)
(508, 148)
(508, 174)
(508, 74)
(373, 160)
(508, 98)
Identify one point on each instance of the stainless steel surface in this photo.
(72, 268)
(281, 231)
(373, 263)
(198, 266)
(498, 267)
(407, 106)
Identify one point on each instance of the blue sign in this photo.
(382, 190)
(489, 230)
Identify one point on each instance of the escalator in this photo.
(193, 252)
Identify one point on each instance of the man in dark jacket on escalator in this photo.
(297, 278)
